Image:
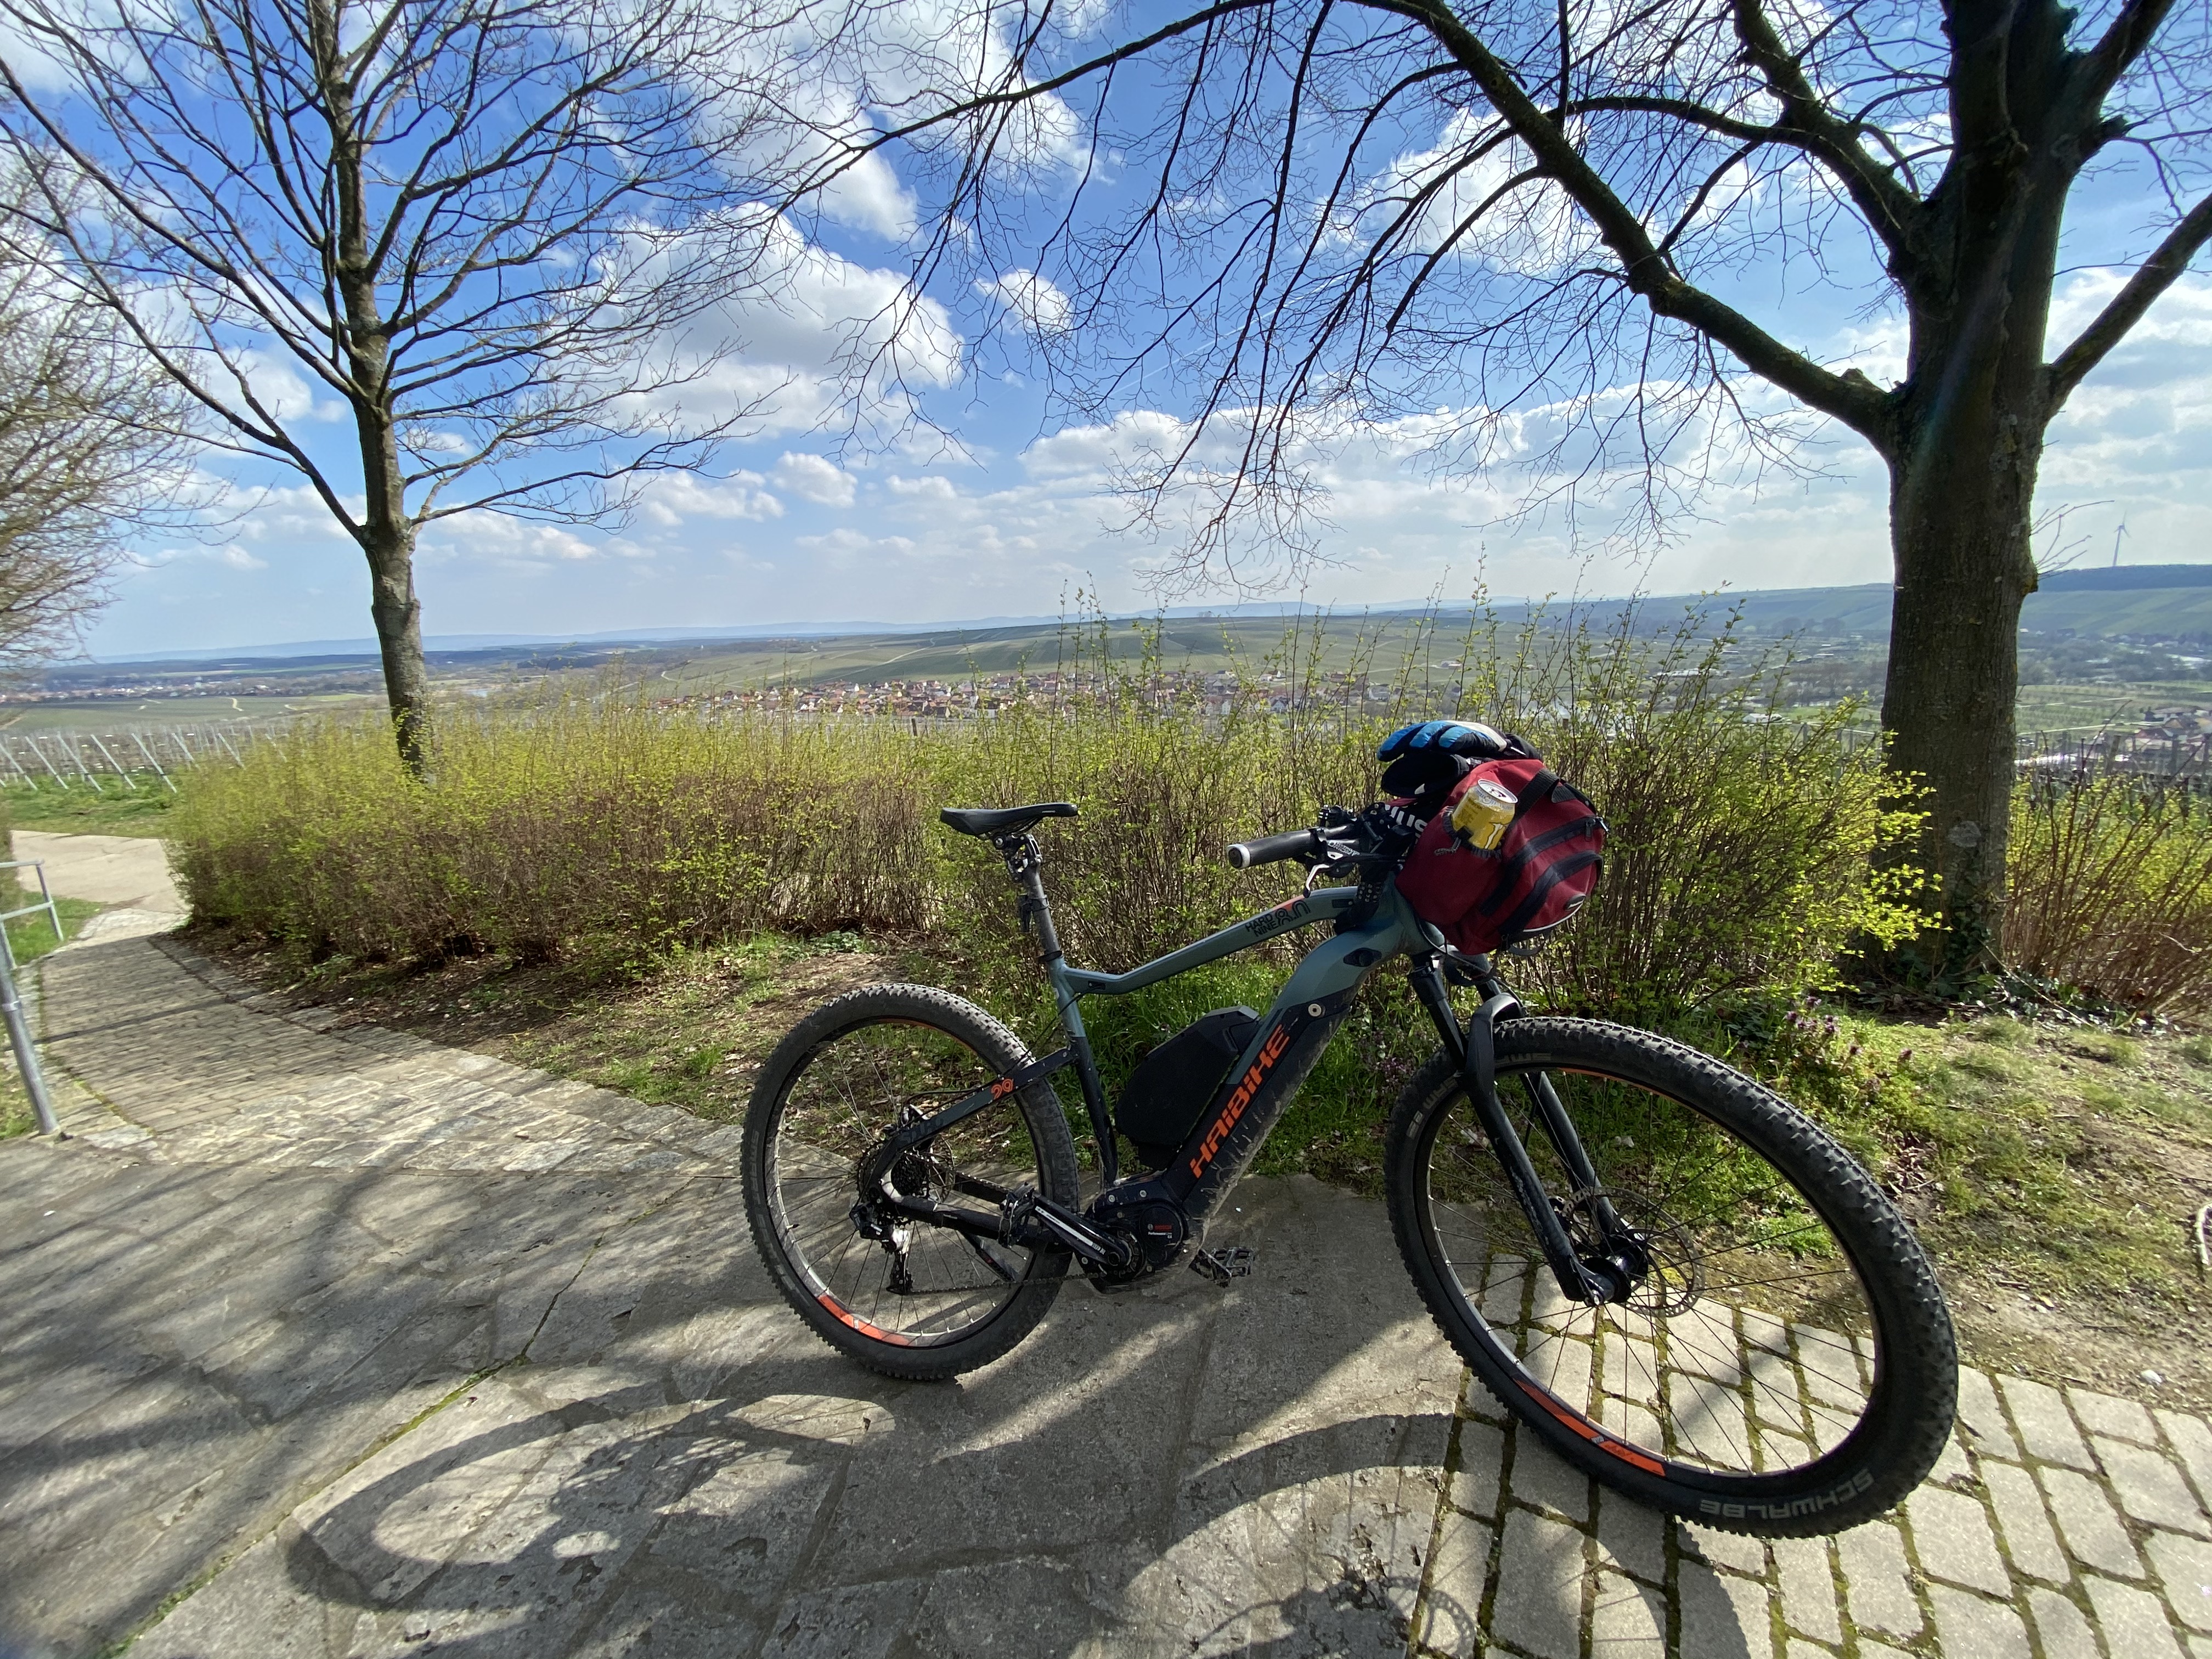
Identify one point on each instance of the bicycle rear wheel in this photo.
(918, 1301)
(1784, 1365)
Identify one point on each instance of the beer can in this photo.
(1484, 814)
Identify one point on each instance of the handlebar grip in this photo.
(1271, 849)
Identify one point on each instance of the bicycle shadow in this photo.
(1183, 1471)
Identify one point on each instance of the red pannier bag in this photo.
(1536, 878)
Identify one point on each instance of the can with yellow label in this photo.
(1484, 814)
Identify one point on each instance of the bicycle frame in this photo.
(1290, 1037)
(1167, 1208)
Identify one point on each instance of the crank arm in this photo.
(1029, 1211)
(897, 1144)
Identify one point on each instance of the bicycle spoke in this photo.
(1733, 1255)
(859, 1086)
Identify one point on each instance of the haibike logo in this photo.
(1812, 1505)
(1270, 1051)
(1288, 913)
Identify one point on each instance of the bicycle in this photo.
(1680, 1284)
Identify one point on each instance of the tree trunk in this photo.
(390, 551)
(1958, 526)
(1963, 458)
(387, 531)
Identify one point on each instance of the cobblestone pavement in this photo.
(343, 1344)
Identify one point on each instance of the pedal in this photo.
(1223, 1264)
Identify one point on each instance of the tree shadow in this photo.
(202, 1349)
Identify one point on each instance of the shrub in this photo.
(558, 824)
(2111, 890)
(1739, 860)
(1740, 856)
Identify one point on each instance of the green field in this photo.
(107, 715)
(141, 808)
(2075, 707)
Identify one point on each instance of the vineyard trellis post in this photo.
(153, 761)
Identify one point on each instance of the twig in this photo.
(2203, 1239)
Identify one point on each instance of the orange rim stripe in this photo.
(1591, 1431)
(838, 1311)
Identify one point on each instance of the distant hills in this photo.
(2167, 602)
(2114, 577)
(297, 650)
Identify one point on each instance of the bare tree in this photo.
(92, 449)
(476, 231)
(1539, 230)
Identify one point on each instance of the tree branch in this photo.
(2124, 40)
(2125, 309)
(1891, 211)
(1851, 397)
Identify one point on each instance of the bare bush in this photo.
(2112, 889)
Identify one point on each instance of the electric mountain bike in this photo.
(1674, 1279)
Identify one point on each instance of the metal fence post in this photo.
(110, 757)
(19, 1028)
(60, 781)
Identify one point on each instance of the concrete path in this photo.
(347, 1345)
(131, 871)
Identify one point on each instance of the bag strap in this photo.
(1508, 872)
(1525, 911)
(1545, 786)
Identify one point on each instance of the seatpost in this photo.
(1026, 864)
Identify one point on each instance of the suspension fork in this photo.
(1475, 1049)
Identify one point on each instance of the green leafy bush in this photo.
(558, 826)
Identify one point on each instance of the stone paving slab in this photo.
(342, 1344)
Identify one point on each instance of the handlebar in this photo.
(1271, 849)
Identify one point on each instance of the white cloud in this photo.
(1034, 303)
(814, 479)
(673, 497)
(1533, 229)
(283, 390)
(844, 544)
(929, 489)
(473, 537)
(817, 338)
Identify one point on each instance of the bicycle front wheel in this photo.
(906, 1298)
(1783, 1363)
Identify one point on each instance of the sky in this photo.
(981, 495)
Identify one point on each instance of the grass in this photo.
(32, 937)
(143, 811)
(2052, 1169)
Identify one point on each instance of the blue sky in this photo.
(1008, 508)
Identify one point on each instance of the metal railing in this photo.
(11, 1004)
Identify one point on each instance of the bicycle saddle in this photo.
(1001, 820)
